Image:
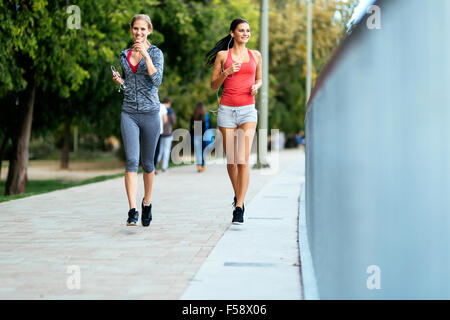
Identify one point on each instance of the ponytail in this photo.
(223, 44)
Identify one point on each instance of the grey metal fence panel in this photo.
(378, 158)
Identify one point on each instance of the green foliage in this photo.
(287, 51)
(72, 65)
(191, 29)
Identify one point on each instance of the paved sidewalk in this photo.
(41, 236)
(259, 259)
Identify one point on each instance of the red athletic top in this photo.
(237, 87)
(134, 68)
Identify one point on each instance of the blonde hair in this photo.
(144, 17)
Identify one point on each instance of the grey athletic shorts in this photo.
(232, 117)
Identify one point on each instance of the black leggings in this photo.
(140, 134)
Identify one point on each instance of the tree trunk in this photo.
(2, 150)
(66, 146)
(15, 184)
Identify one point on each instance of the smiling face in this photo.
(241, 33)
(140, 30)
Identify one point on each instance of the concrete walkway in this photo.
(46, 239)
(260, 259)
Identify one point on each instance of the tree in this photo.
(288, 54)
(189, 29)
(19, 56)
(51, 74)
(40, 52)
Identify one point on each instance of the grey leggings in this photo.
(140, 133)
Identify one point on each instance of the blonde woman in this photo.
(142, 69)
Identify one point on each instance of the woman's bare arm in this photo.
(218, 77)
(258, 77)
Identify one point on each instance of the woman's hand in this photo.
(117, 79)
(255, 89)
(235, 67)
(140, 47)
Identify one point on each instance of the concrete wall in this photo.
(378, 158)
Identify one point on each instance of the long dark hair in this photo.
(199, 112)
(223, 44)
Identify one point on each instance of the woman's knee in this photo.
(242, 166)
(132, 165)
(242, 159)
(148, 166)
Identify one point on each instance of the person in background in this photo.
(300, 137)
(166, 136)
(162, 122)
(202, 116)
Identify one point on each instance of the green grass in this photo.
(35, 187)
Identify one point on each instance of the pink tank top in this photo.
(133, 67)
(237, 87)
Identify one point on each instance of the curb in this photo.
(308, 277)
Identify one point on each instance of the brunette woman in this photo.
(239, 70)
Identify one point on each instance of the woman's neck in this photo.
(239, 47)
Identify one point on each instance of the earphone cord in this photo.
(218, 103)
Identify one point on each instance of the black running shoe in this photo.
(146, 214)
(133, 217)
(238, 216)
(234, 204)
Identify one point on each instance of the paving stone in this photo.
(85, 226)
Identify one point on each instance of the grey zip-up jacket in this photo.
(141, 89)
